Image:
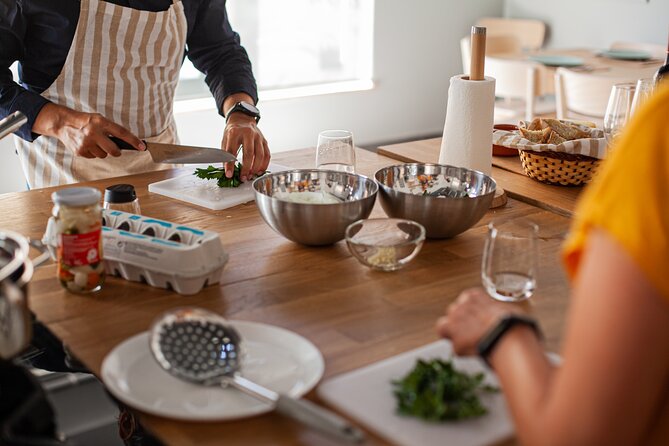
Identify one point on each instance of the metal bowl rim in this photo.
(364, 177)
(494, 183)
(20, 259)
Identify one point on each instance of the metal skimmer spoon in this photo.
(202, 347)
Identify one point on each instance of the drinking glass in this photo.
(618, 110)
(509, 266)
(335, 151)
(644, 90)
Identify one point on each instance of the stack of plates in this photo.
(626, 55)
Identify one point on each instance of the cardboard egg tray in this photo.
(157, 252)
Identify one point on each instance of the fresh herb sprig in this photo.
(435, 391)
(218, 174)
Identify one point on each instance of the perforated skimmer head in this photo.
(196, 345)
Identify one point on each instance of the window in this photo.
(298, 43)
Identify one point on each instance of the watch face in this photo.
(250, 108)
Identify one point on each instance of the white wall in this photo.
(596, 23)
(416, 51)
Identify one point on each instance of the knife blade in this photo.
(178, 154)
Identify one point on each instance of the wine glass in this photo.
(644, 90)
(335, 151)
(618, 110)
(509, 265)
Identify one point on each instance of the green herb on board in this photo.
(218, 174)
(435, 391)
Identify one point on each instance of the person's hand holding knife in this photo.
(86, 134)
(241, 130)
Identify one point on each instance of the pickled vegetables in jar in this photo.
(78, 219)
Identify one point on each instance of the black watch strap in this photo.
(489, 341)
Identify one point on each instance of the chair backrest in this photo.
(494, 45)
(583, 93)
(514, 79)
(657, 51)
(502, 43)
(530, 33)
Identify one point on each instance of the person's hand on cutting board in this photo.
(241, 129)
(86, 134)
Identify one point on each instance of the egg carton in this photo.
(160, 253)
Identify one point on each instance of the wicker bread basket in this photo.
(561, 168)
(571, 160)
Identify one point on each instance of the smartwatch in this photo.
(487, 344)
(246, 108)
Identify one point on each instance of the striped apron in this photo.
(124, 64)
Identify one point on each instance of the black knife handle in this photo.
(122, 144)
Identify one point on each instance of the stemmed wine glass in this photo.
(644, 90)
(509, 266)
(618, 110)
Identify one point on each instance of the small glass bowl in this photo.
(385, 244)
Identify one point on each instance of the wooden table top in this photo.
(507, 171)
(355, 316)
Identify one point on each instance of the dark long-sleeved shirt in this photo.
(39, 33)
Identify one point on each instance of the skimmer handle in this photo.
(304, 411)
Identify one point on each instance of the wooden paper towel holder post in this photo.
(477, 73)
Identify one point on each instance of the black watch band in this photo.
(246, 108)
(487, 344)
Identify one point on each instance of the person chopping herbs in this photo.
(91, 69)
(612, 387)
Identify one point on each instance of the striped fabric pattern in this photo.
(124, 64)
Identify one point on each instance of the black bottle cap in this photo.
(120, 193)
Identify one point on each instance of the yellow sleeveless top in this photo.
(629, 198)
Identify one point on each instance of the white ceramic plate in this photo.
(558, 61)
(276, 358)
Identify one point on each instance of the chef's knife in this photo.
(177, 154)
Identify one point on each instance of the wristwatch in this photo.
(246, 108)
(487, 344)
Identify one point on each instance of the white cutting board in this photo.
(366, 395)
(206, 193)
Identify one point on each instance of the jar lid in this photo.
(120, 193)
(76, 196)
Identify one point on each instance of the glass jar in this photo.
(122, 197)
(78, 220)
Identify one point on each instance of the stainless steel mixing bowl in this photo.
(314, 224)
(446, 200)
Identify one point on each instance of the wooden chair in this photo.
(582, 95)
(498, 44)
(655, 50)
(530, 33)
(514, 80)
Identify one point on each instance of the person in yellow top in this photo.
(612, 387)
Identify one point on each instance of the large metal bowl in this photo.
(314, 224)
(446, 200)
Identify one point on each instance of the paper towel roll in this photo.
(467, 140)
